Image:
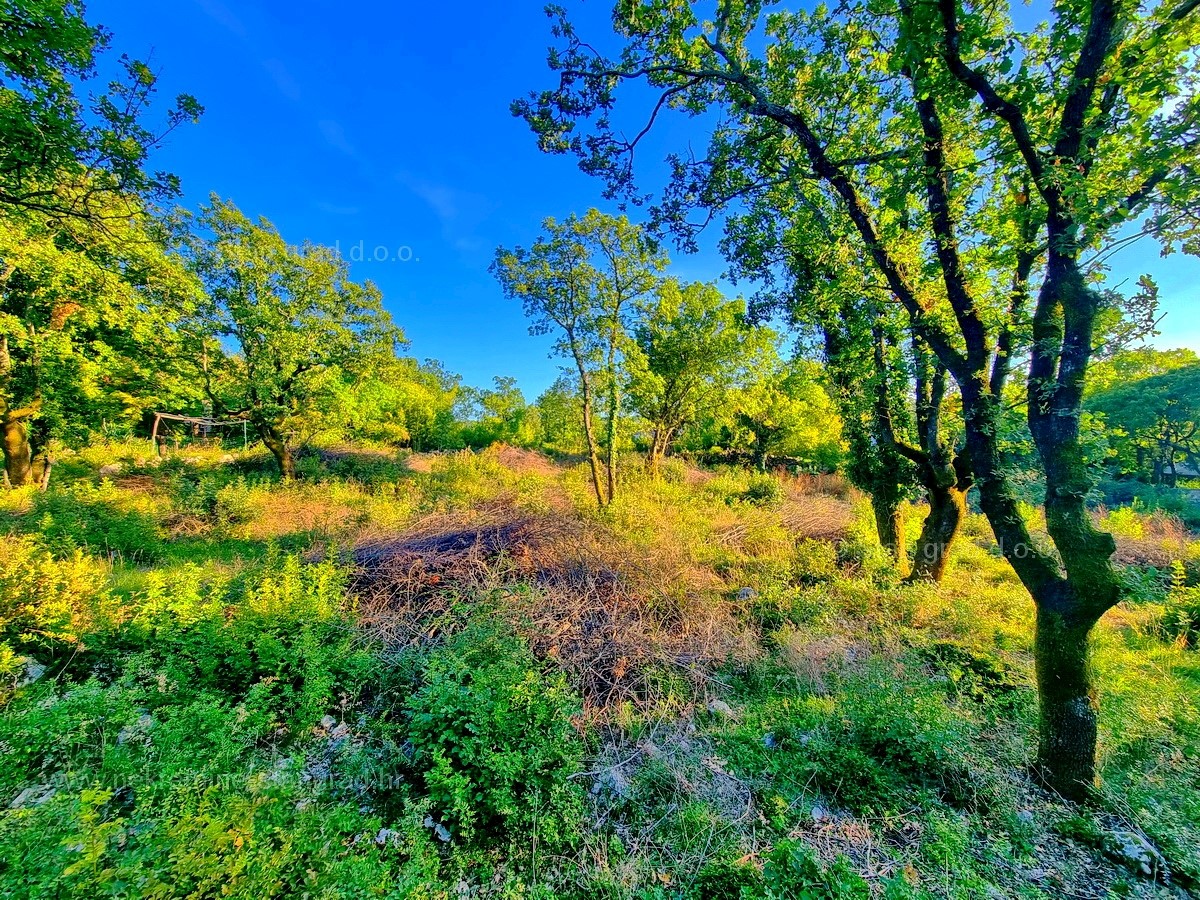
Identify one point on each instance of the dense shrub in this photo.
(50, 604)
(98, 519)
(493, 741)
(1181, 616)
(764, 490)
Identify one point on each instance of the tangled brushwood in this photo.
(616, 625)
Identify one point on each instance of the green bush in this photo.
(50, 603)
(815, 561)
(763, 490)
(98, 520)
(493, 743)
(792, 872)
(213, 496)
(284, 648)
(1181, 616)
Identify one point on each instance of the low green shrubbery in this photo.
(97, 519)
(493, 742)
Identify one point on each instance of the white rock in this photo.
(33, 796)
(438, 828)
(34, 670)
(1139, 853)
(720, 708)
(107, 471)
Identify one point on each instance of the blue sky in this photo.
(384, 129)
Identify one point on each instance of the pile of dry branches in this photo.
(581, 599)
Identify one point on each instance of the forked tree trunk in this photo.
(279, 448)
(658, 450)
(947, 508)
(1066, 757)
(18, 455)
(889, 522)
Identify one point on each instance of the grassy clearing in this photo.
(449, 675)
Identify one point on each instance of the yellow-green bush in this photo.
(51, 602)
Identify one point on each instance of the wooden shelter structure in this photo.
(202, 427)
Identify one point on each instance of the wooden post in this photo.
(154, 435)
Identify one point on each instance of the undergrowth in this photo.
(195, 703)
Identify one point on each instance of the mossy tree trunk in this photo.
(947, 509)
(1067, 725)
(889, 523)
(944, 473)
(277, 443)
(18, 454)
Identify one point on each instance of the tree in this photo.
(584, 278)
(559, 416)
(86, 329)
(50, 138)
(891, 400)
(297, 321)
(786, 411)
(923, 124)
(1154, 423)
(1131, 366)
(499, 414)
(691, 346)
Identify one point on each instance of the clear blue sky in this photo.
(385, 126)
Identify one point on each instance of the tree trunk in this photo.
(658, 450)
(18, 455)
(1066, 758)
(275, 442)
(947, 508)
(611, 429)
(889, 522)
(589, 432)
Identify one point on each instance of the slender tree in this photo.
(583, 279)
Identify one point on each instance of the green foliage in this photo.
(499, 415)
(691, 347)
(493, 740)
(792, 872)
(815, 561)
(1181, 615)
(47, 603)
(582, 281)
(86, 328)
(50, 133)
(1151, 422)
(787, 412)
(100, 520)
(764, 490)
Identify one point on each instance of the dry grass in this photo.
(298, 508)
(1164, 539)
(818, 516)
